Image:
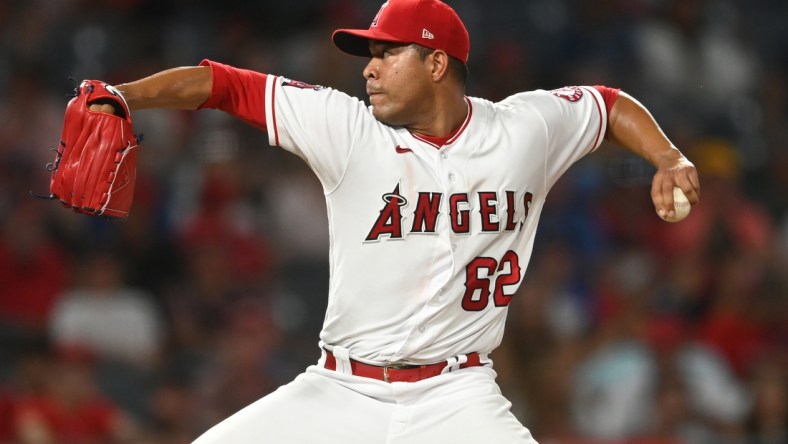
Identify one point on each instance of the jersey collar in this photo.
(439, 142)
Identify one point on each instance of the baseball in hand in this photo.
(681, 205)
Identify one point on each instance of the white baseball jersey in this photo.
(428, 243)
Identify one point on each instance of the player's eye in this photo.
(390, 50)
(377, 53)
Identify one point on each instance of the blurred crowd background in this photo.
(211, 295)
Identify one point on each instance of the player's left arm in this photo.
(632, 126)
(185, 87)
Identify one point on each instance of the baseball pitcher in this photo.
(433, 201)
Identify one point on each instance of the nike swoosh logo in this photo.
(402, 150)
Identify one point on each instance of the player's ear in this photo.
(440, 64)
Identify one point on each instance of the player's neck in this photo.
(444, 120)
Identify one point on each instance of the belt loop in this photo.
(322, 361)
(342, 356)
(454, 363)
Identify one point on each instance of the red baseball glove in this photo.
(95, 168)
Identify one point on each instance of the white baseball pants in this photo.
(326, 406)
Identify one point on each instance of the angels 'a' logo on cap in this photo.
(377, 16)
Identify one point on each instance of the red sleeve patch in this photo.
(570, 93)
(300, 84)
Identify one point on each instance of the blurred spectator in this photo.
(143, 243)
(713, 391)
(196, 305)
(732, 325)
(225, 259)
(768, 422)
(173, 409)
(119, 325)
(299, 214)
(691, 53)
(33, 271)
(613, 386)
(223, 220)
(246, 366)
(106, 317)
(612, 392)
(674, 420)
(299, 203)
(69, 409)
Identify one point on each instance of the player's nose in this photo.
(371, 70)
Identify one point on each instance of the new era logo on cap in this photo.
(430, 23)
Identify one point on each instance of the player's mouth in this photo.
(372, 91)
(374, 95)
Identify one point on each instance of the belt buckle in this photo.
(393, 366)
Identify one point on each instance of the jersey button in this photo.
(421, 328)
(452, 177)
(444, 155)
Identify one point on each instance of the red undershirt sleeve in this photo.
(238, 92)
(609, 95)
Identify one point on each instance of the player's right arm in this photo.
(632, 126)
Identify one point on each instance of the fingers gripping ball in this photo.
(95, 168)
(681, 206)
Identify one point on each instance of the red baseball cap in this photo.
(429, 23)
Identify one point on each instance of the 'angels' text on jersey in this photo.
(494, 212)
